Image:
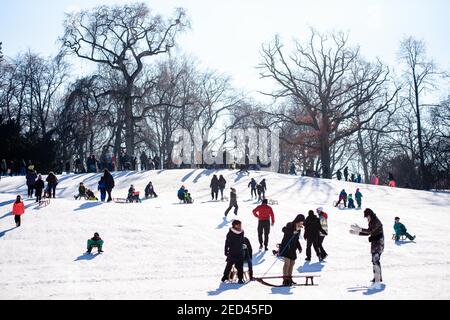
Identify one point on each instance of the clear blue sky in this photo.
(227, 35)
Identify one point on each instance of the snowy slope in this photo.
(163, 250)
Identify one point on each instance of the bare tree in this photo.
(121, 37)
(328, 81)
(419, 73)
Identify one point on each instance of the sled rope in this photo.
(279, 254)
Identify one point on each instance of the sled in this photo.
(309, 281)
(402, 237)
(233, 277)
(340, 206)
(44, 203)
(273, 202)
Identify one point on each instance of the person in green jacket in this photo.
(400, 230)
(95, 242)
(358, 197)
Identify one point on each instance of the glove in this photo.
(354, 232)
(356, 228)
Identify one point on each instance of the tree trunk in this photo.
(362, 154)
(129, 124)
(325, 155)
(423, 178)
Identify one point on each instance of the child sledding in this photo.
(184, 196)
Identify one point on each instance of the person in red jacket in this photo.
(265, 215)
(18, 210)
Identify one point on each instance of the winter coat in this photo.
(222, 183)
(31, 178)
(358, 196)
(263, 185)
(264, 213)
(52, 179)
(399, 228)
(18, 209)
(180, 194)
(109, 180)
(291, 242)
(324, 224)
(82, 190)
(260, 188)
(234, 245)
(214, 184)
(346, 172)
(39, 185)
(376, 235)
(339, 175)
(102, 185)
(252, 184)
(313, 228)
(343, 195)
(149, 189)
(248, 251)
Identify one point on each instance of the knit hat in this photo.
(299, 218)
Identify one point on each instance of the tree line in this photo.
(333, 107)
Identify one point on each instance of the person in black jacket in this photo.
(38, 187)
(376, 239)
(222, 185)
(52, 183)
(253, 184)
(264, 188)
(234, 245)
(214, 188)
(346, 173)
(312, 235)
(31, 180)
(109, 180)
(339, 175)
(289, 246)
(150, 191)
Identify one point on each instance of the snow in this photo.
(161, 249)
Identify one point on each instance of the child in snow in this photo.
(342, 197)
(248, 256)
(233, 203)
(323, 217)
(150, 191)
(81, 192)
(95, 242)
(400, 230)
(180, 193)
(358, 197)
(133, 195)
(38, 187)
(18, 210)
(351, 203)
(187, 197)
(102, 189)
(233, 251)
(90, 195)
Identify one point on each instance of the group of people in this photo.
(348, 200)
(217, 184)
(352, 178)
(184, 195)
(36, 185)
(15, 167)
(258, 190)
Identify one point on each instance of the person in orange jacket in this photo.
(18, 210)
(265, 215)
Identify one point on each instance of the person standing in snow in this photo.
(323, 217)
(265, 215)
(234, 244)
(313, 229)
(339, 175)
(52, 182)
(400, 230)
(31, 180)
(289, 246)
(260, 190)
(359, 178)
(102, 189)
(252, 185)
(214, 188)
(391, 180)
(38, 187)
(346, 173)
(233, 203)
(352, 178)
(18, 210)
(222, 185)
(264, 188)
(342, 197)
(109, 181)
(358, 197)
(248, 256)
(376, 239)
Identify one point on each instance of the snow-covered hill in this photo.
(161, 249)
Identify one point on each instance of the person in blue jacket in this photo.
(180, 194)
